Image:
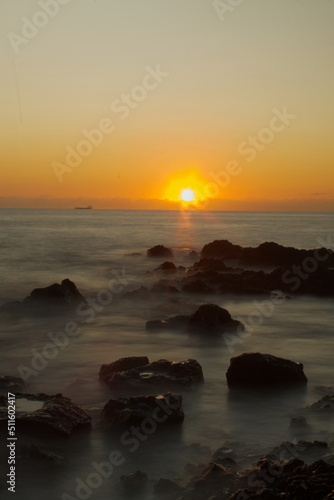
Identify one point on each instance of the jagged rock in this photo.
(160, 251)
(324, 404)
(134, 483)
(254, 369)
(136, 410)
(208, 319)
(52, 414)
(64, 296)
(123, 364)
(162, 373)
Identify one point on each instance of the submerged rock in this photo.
(254, 369)
(150, 410)
(162, 373)
(208, 319)
(325, 404)
(160, 251)
(56, 415)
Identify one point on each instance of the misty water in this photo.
(41, 247)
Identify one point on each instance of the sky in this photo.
(126, 104)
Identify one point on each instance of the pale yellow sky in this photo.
(178, 91)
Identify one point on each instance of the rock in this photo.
(254, 369)
(123, 364)
(56, 415)
(166, 489)
(162, 373)
(164, 286)
(136, 410)
(11, 384)
(43, 456)
(325, 404)
(299, 424)
(160, 251)
(208, 319)
(212, 319)
(221, 249)
(134, 483)
(65, 294)
(167, 266)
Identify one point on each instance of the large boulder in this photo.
(55, 415)
(133, 411)
(64, 294)
(212, 319)
(159, 374)
(160, 251)
(253, 369)
(208, 319)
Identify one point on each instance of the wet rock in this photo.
(142, 410)
(165, 489)
(254, 369)
(162, 373)
(65, 294)
(160, 251)
(54, 415)
(11, 384)
(123, 364)
(300, 449)
(134, 483)
(221, 249)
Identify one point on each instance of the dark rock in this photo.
(212, 319)
(123, 364)
(254, 369)
(155, 324)
(324, 404)
(160, 251)
(65, 294)
(134, 483)
(167, 266)
(56, 415)
(211, 264)
(221, 249)
(135, 410)
(166, 489)
(11, 384)
(299, 424)
(193, 254)
(158, 374)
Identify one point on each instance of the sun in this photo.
(187, 195)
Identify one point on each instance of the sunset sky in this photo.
(234, 103)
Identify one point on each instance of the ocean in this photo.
(91, 247)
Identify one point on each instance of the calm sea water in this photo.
(40, 247)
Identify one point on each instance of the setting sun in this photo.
(187, 195)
